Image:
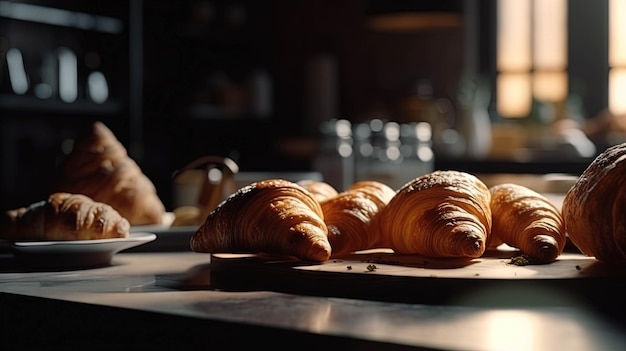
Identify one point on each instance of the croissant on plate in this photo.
(593, 208)
(321, 190)
(351, 217)
(100, 168)
(63, 216)
(439, 214)
(273, 216)
(525, 219)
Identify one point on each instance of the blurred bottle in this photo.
(322, 89)
(372, 159)
(335, 157)
(447, 138)
(421, 105)
(416, 106)
(475, 124)
(417, 152)
(261, 93)
(392, 153)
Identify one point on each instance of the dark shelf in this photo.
(540, 166)
(215, 112)
(30, 103)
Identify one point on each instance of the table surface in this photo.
(162, 298)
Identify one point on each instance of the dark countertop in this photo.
(151, 299)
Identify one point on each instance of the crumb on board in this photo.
(381, 260)
(578, 267)
(521, 260)
(371, 267)
(349, 268)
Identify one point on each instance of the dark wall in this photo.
(588, 53)
(198, 59)
(188, 108)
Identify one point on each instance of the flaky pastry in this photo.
(100, 168)
(273, 216)
(527, 220)
(352, 215)
(63, 216)
(439, 214)
(593, 208)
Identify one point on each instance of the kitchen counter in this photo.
(164, 299)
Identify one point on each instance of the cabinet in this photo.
(209, 83)
(63, 64)
(172, 79)
(208, 59)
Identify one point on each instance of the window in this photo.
(531, 55)
(617, 56)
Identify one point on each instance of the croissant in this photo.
(439, 214)
(272, 216)
(321, 190)
(64, 216)
(525, 219)
(351, 217)
(100, 168)
(593, 208)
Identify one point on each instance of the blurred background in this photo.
(352, 89)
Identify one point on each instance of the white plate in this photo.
(168, 219)
(168, 238)
(73, 253)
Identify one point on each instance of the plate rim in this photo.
(133, 237)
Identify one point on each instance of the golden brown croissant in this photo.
(272, 216)
(321, 190)
(100, 168)
(64, 216)
(351, 217)
(525, 219)
(439, 214)
(593, 208)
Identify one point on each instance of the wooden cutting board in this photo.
(383, 275)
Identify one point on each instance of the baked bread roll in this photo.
(351, 217)
(525, 219)
(64, 216)
(272, 216)
(593, 208)
(439, 214)
(320, 190)
(100, 168)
